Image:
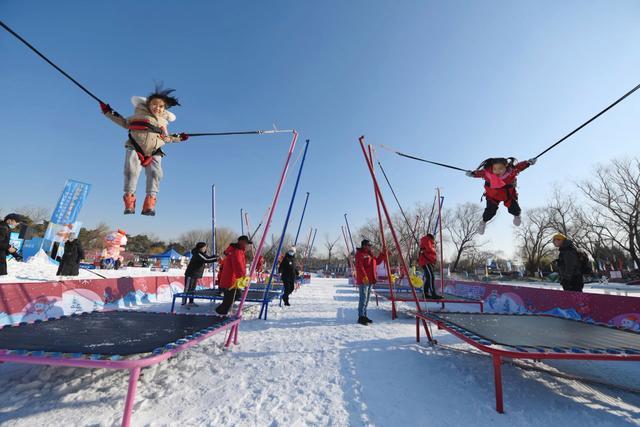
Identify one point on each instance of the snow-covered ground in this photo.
(311, 364)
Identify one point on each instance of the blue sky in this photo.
(450, 80)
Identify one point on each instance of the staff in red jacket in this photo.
(427, 260)
(366, 265)
(234, 268)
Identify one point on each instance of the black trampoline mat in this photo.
(108, 332)
(543, 331)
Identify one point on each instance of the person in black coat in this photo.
(70, 260)
(10, 223)
(288, 273)
(195, 269)
(569, 267)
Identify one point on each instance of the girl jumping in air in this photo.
(500, 180)
(147, 134)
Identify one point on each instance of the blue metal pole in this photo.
(284, 230)
(353, 247)
(213, 228)
(311, 247)
(304, 209)
(241, 221)
(435, 228)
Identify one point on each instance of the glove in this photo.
(469, 174)
(183, 136)
(106, 108)
(365, 281)
(532, 161)
(241, 283)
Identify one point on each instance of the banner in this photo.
(70, 202)
(65, 215)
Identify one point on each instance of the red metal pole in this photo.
(346, 243)
(393, 234)
(441, 251)
(274, 203)
(497, 377)
(306, 252)
(384, 246)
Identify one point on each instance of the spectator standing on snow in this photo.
(569, 264)
(234, 271)
(10, 223)
(195, 269)
(365, 278)
(70, 260)
(288, 273)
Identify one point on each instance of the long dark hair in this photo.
(509, 162)
(164, 95)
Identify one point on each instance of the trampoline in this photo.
(404, 294)
(115, 339)
(254, 295)
(535, 336)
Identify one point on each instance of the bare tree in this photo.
(37, 214)
(462, 226)
(534, 238)
(224, 236)
(615, 192)
(329, 245)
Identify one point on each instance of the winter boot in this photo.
(363, 321)
(368, 320)
(149, 207)
(517, 221)
(481, 227)
(129, 203)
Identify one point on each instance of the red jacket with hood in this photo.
(501, 188)
(427, 251)
(234, 266)
(366, 265)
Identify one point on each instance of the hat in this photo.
(15, 217)
(200, 245)
(365, 242)
(559, 236)
(292, 251)
(245, 238)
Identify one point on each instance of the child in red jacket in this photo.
(427, 260)
(500, 180)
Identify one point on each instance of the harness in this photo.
(143, 125)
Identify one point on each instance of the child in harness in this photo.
(147, 134)
(500, 180)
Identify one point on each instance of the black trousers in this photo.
(574, 283)
(429, 286)
(289, 286)
(189, 287)
(3, 263)
(492, 208)
(230, 295)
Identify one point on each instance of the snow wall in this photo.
(614, 310)
(27, 302)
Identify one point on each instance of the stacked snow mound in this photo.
(41, 258)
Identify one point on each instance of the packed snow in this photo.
(311, 364)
